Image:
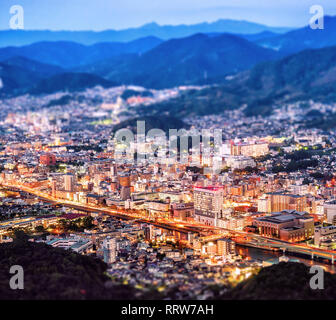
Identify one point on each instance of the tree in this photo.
(87, 222)
(39, 228)
(20, 236)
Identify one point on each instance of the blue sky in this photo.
(120, 14)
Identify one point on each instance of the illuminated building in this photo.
(208, 203)
(226, 247)
(158, 208)
(325, 236)
(74, 243)
(286, 225)
(109, 250)
(148, 232)
(239, 162)
(69, 182)
(330, 211)
(53, 188)
(183, 211)
(125, 193)
(125, 180)
(48, 159)
(278, 201)
(249, 149)
(113, 170)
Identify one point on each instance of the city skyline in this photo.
(186, 163)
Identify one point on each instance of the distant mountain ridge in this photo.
(69, 82)
(21, 76)
(165, 32)
(185, 61)
(308, 75)
(70, 54)
(303, 38)
(274, 75)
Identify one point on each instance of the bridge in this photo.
(263, 242)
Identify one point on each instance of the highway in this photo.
(159, 222)
(246, 238)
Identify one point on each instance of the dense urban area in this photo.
(178, 228)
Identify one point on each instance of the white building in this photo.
(239, 162)
(109, 250)
(74, 242)
(208, 203)
(330, 211)
(324, 235)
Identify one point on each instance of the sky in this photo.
(121, 14)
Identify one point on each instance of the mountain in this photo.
(283, 281)
(26, 37)
(69, 82)
(18, 73)
(304, 38)
(258, 36)
(71, 54)
(191, 60)
(41, 70)
(14, 79)
(310, 74)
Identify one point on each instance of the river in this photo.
(263, 255)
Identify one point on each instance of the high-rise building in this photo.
(208, 203)
(148, 231)
(226, 247)
(113, 170)
(53, 188)
(125, 193)
(330, 211)
(69, 182)
(109, 250)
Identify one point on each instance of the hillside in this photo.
(41, 70)
(163, 122)
(303, 38)
(14, 79)
(70, 82)
(310, 74)
(68, 54)
(53, 273)
(188, 61)
(283, 281)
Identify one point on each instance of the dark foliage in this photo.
(283, 281)
(51, 273)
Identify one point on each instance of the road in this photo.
(252, 239)
(159, 222)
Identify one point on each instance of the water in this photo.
(262, 255)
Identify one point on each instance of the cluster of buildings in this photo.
(182, 222)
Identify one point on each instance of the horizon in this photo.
(164, 25)
(106, 15)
